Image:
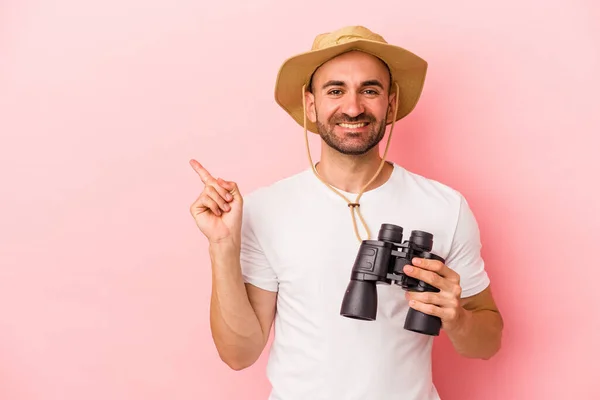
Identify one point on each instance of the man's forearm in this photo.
(235, 327)
(478, 335)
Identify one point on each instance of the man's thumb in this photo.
(231, 188)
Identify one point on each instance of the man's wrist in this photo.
(224, 251)
(463, 323)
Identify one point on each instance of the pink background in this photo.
(105, 279)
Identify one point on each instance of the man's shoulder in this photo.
(429, 186)
(278, 190)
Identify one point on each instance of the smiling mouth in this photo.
(353, 126)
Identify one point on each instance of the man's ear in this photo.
(311, 113)
(391, 106)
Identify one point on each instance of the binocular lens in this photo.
(424, 240)
(360, 301)
(390, 233)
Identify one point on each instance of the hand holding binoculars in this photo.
(382, 261)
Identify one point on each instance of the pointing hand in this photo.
(218, 209)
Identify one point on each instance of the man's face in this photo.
(350, 102)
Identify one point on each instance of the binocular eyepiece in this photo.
(382, 261)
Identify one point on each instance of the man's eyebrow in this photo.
(333, 83)
(371, 82)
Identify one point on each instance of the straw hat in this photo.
(407, 69)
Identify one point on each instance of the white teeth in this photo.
(352, 126)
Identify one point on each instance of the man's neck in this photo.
(351, 173)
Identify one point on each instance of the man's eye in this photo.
(369, 91)
(335, 92)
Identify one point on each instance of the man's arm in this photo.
(241, 314)
(479, 333)
(473, 324)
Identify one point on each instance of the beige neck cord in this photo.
(352, 205)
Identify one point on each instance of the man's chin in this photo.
(352, 150)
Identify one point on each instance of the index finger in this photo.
(436, 266)
(205, 176)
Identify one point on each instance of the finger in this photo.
(222, 190)
(426, 298)
(426, 276)
(227, 185)
(441, 299)
(436, 266)
(210, 204)
(446, 314)
(232, 187)
(429, 309)
(216, 197)
(199, 206)
(205, 176)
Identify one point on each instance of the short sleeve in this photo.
(255, 265)
(464, 256)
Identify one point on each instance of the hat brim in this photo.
(407, 69)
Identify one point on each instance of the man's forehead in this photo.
(353, 67)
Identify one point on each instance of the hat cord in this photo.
(354, 206)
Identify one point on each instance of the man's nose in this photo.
(352, 105)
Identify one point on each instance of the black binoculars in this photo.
(382, 261)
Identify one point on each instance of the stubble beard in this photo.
(374, 136)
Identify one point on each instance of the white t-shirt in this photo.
(298, 239)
